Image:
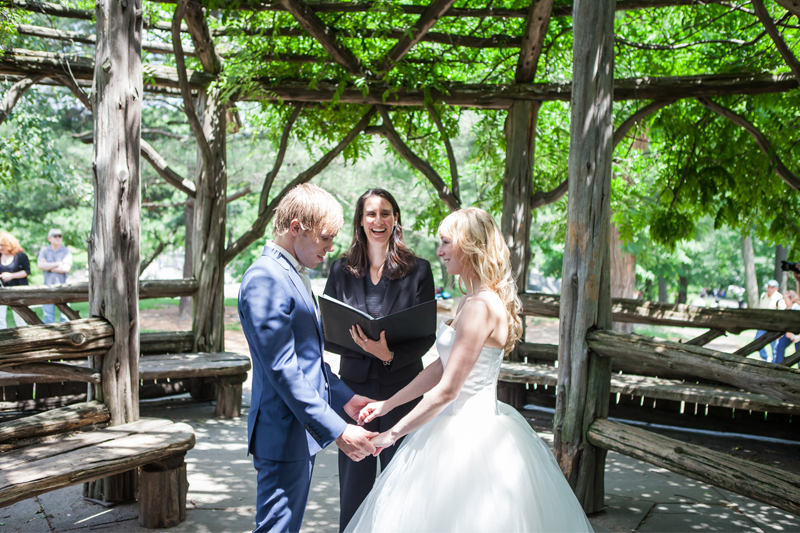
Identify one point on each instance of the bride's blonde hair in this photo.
(475, 234)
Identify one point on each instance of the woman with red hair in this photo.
(14, 270)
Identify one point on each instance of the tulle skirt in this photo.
(472, 472)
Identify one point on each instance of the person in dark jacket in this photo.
(380, 276)
(14, 271)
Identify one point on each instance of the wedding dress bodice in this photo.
(479, 392)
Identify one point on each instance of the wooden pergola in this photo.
(585, 309)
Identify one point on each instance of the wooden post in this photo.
(162, 493)
(229, 396)
(516, 220)
(584, 378)
(518, 179)
(208, 242)
(114, 240)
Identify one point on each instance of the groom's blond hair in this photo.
(315, 208)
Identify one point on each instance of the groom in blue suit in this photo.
(295, 394)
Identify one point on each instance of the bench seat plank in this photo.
(657, 388)
(175, 366)
(129, 446)
(66, 444)
(193, 365)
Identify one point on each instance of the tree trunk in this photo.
(750, 280)
(185, 306)
(648, 290)
(516, 221)
(683, 289)
(781, 254)
(662, 289)
(116, 227)
(209, 230)
(623, 274)
(584, 378)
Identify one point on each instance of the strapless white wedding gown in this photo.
(477, 467)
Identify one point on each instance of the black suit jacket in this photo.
(413, 289)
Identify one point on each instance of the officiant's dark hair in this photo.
(400, 261)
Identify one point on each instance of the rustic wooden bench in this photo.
(35, 462)
(657, 388)
(225, 371)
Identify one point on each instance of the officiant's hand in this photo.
(355, 405)
(371, 411)
(355, 442)
(378, 348)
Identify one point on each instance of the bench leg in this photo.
(116, 488)
(203, 389)
(162, 493)
(229, 396)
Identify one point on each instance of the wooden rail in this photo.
(79, 292)
(754, 375)
(76, 339)
(679, 315)
(763, 483)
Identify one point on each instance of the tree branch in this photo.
(792, 6)
(451, 156)
(272, 174)
(774, 161)
(777, 38)
(14, 94)
(652, 46)
(201, 37)
(256, 231)
(71, 84)
(391, 135)
(186, 94)
(145, 261)
(631, 121)
(541, 198)
(324, 35)
(162, 169)
(429, 17)
(533, 40)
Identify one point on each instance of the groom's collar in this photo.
(289, 257)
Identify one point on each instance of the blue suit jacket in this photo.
(295, 394)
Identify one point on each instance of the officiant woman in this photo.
(380, 276)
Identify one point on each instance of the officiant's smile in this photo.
(379, 220)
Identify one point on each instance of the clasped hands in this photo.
(356, 442)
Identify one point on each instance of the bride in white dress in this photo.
(469, 463)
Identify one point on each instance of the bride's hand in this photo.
(384, 440)
(371, 411)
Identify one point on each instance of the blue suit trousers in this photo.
(283, 488)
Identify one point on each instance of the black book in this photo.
(403, 326)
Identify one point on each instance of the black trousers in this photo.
(357, 478)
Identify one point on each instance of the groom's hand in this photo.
(355, 405)
(355, 442)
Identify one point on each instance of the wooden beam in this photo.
(18, 62)
(79, 292)
(759, 343)
(27, 315)
(678, 315)
(413, 35)
(204, 47)
(751, 374)
(73, 36)
(634, 119)
(764, 483)
(791, 361)
(706, 337)
(61, 420)
(69, 312)
(324, 35)
(13, 95)
(56, 371)
(562, 10)
(163, 342)
(74, 336)
(658, 389)
(533, 40)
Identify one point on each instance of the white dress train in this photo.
(477, 467)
